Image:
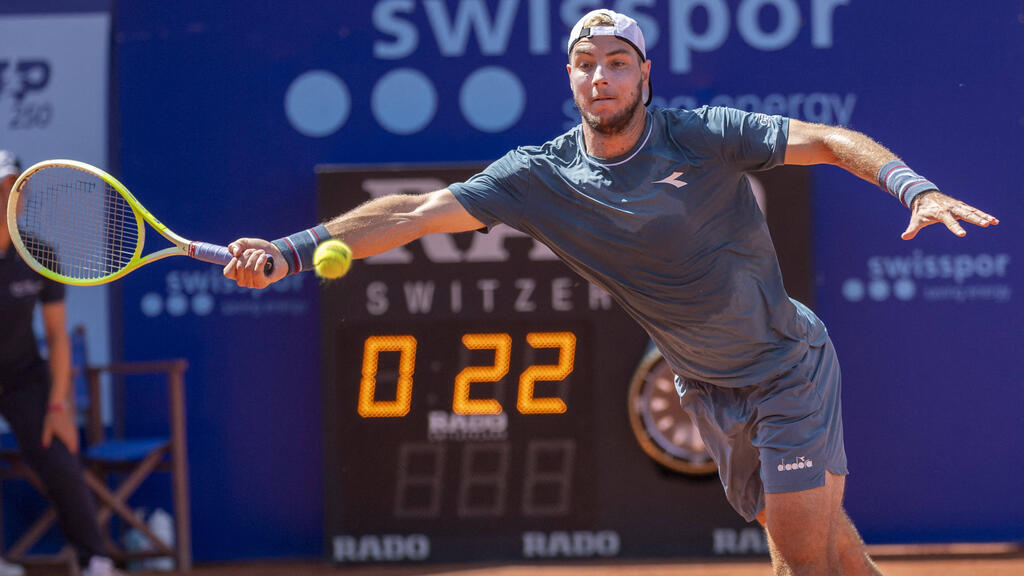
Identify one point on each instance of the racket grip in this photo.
(217, 254)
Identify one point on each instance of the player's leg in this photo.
(853, 556)
(59, 469)
(852, 553)
(799, 437)
(803, 527)
(779, 566)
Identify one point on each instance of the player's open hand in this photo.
(250, 256)
(934, 206)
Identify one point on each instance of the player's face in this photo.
(607, 80)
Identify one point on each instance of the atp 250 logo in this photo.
(23, 83)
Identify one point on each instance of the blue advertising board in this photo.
(225, 108)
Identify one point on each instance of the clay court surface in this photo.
(1004, 559)
(1010, 563)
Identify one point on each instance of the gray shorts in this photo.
(780, 436)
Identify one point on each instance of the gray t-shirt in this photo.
(671, 230)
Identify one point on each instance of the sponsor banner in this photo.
(575, 544)
(235, 118)
(382, 548)
(933, 278)
(733, 542)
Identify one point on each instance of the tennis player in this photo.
(654, 207)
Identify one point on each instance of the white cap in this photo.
(625, 28)
(9, 164)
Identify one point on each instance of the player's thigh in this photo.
(24, 407)
(803, 524)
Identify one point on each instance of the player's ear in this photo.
(645, 73)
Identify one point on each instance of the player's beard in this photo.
(616, 123)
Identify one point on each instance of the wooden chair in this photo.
(131, 460)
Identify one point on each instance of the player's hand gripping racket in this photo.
(76, 224)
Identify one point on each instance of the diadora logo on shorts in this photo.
(798, 463)
(673, 179)
(933, 277)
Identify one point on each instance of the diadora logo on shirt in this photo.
(673, 179)
(798, 463)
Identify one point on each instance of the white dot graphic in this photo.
(904, 289)
(853, 290)
(317, 103)
(403, 101)
(492, 99)
(151, 304)
(202, 304)
(177, 304)
(878, 289)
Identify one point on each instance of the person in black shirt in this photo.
(34, 392)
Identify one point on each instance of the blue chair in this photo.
(130, 460)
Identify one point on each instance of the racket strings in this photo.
(75, 224)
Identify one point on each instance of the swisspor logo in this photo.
(982, 277)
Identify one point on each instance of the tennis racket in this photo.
(76, 224)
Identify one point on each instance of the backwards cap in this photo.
(623, 28)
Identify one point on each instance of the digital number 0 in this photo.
(369, 406)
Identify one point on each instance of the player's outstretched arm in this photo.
(391, 221)
(858, 154)
(374, 227)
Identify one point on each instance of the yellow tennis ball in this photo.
(332, 259)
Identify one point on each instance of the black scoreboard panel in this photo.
(476, 407)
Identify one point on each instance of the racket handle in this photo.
(216, 254)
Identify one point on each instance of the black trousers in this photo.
(24, 406)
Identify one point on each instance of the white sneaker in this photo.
(100, 566)
(8, 569)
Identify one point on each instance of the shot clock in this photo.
(478, 406)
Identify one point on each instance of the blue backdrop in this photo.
(225, 108)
